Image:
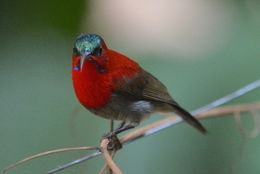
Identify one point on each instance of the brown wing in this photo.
(146, 86)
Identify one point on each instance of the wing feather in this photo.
(146, 86)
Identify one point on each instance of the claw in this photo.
(114, 143)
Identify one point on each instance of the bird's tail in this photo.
(189, 119)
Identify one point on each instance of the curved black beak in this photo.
(85, 56)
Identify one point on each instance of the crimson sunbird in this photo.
(115, 87)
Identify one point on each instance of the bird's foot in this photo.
(114, 143)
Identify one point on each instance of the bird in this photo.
(115, 87)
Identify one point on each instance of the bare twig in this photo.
(242, 91)
(106, 166)
(108, 158)
(246, 134)
(48, 153)
(73, 163)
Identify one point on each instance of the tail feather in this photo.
(189, 119)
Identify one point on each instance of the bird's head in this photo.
(88, 46)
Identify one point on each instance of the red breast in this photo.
(94, 88)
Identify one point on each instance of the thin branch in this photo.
(73, 163)
(224, 111)
(242, 91)
(111, 164)
(48, 153)
(246, 134)
(106, 166)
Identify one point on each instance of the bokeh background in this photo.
(201, 50)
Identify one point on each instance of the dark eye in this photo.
(97, 52)
(75, 52)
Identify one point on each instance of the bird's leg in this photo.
(111, 125)
(122, 124)
(114, 143)
(120, 130)
(124, 128)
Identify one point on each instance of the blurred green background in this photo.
(39, 111)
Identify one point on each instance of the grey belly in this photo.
(128, 108)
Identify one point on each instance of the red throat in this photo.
(94, 88)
